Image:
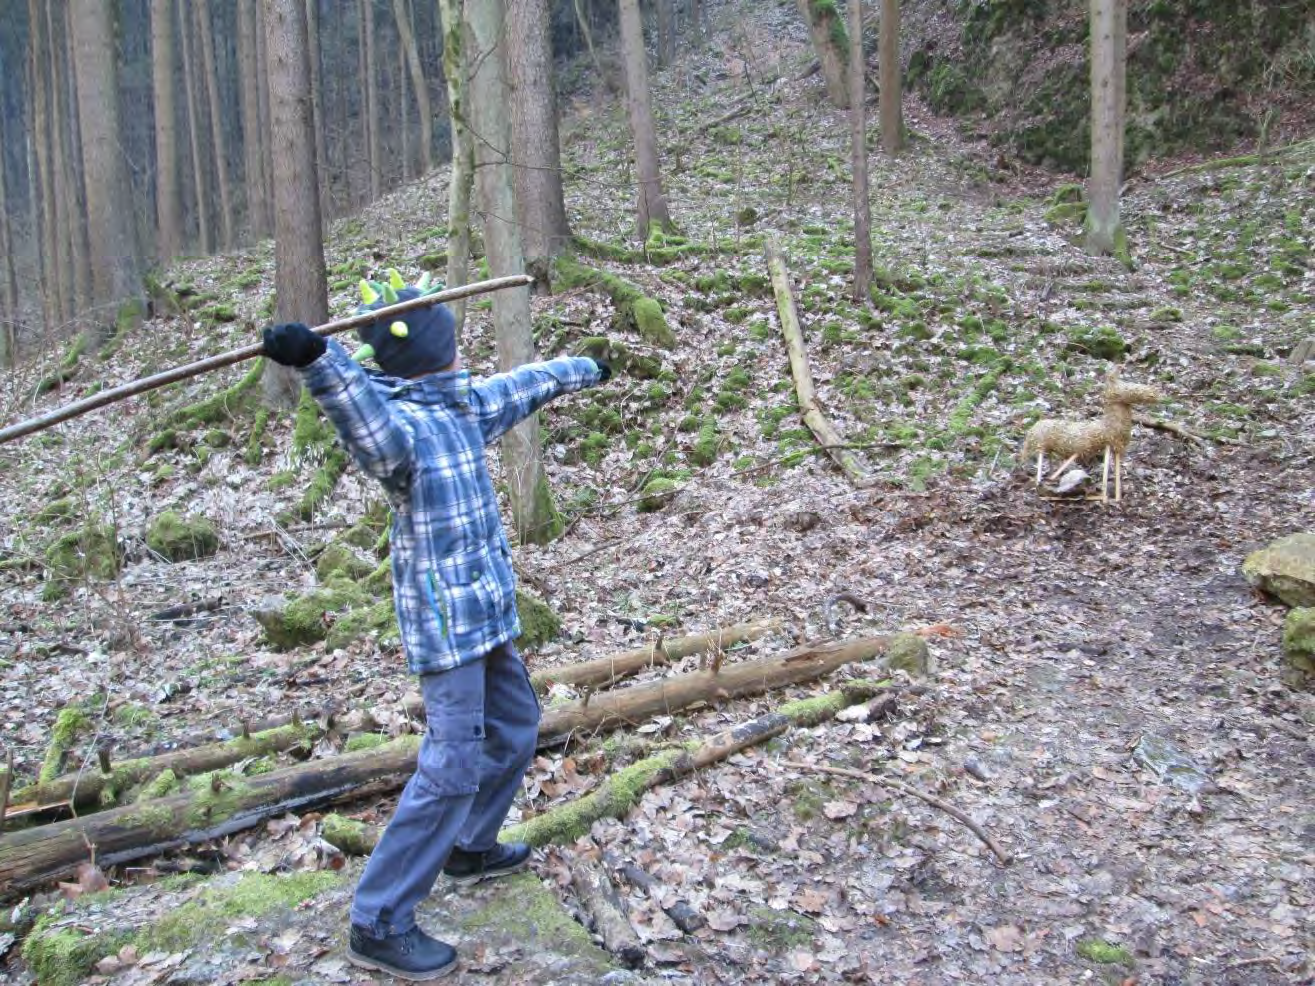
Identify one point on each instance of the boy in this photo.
(420, 429)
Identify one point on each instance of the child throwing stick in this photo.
(420, 429)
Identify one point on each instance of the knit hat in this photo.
(422, 340)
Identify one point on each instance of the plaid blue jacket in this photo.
(424, 440)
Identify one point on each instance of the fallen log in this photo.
(622, 791)
(682, 915)
(605, 670)
(91, 786)
(603, 905)
(817, 422)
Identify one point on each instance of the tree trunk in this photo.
(248, 27)
(858, 148)
(109, 195)
(666, 33)
(650, 202)
(541, 205)
(607, 671)
(892, 96)
(456, 73)
(59, 167)
(534, 517)
(9, 297)
(418, 83)
(817, 422)
(218, 145)
(696, 21)
(830, 44)
(313, 45)
(369, 83)
(168, 206)
(44, 214)
(300, 283)
(404, 111)
(266, 115)
(195, 129)
(76, 182)
(1109, 41)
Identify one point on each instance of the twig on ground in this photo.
(902, 788)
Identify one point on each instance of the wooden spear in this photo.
(141, 386)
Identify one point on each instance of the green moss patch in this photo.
(539, 624)
(179, 538)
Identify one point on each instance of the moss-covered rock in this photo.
(1285, 569)
(378, 618)
(307, 619)
(909, 653)
(90, 552)
(634, 310)
(1099, 342)
(656, 493)
(341, 561)
(539, 624)
(1299, 648)
(705, 448)
(179, 538)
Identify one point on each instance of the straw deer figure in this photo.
(1078, 440)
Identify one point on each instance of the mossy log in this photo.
(214, 805)
(621, 791)
(817, 422)
(608, 670)
(91, 786)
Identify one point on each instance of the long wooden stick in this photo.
(912, 792)
(135, 387)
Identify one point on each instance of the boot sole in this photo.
(473, 878)
(374, 965)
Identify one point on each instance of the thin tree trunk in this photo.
(533, 514)
(301, 288)
(266, 115)
(1109, 37)
(77, 184)
(830, 45)
(317, 95)
(696, 20)
(169, 227)
(666, 33)
(369, 83)
(456, 73)
(9, 275)
(59, 169)
(892, 96)
(858, 147)
(250, 66)
(44, 210)
(218, 145)
(418, 83)
(404, 110)
(540, 202)
(195, 128)
(112, 233)
(650, 202)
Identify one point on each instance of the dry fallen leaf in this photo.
(1005, 938)
(725, 920)
(836, 810)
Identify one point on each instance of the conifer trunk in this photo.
(195, 128)
(369, 83)
(59, 167)
(44, 201)
(858, 146)
(892, 96)
(418, 82)
(168, 223)
(650, 202)
(218, 144)
(1109, 38)
(317, 94)
(253, 158)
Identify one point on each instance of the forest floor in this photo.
(1106, 699)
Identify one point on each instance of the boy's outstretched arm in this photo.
(504, 399)
(374, 436)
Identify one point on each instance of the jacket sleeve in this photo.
(503, 400)
(373, 432)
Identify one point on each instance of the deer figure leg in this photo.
(1118, 476)
(1062, 466)
(1040, 460)
(1105, 478)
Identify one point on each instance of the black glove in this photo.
(604, 369)
(292, 344)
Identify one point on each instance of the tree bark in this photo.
(666, 33)
(829, 43)
(892, 96)
(858, 148)
(540, 203)
(1109, 42)
(249, 25)
(418, 83)
(533, 515)
(9, 297)
(301, 286)
(113, 238)
(369, 83)
(603, 905)
(168, 207)
(75, 181)
(608, 670)
(817, 422)
(462, 178)
(696, 20)
(195, 128)
(313, 45)
(44, 206)
(218, 144)
(266, 115)
(59, 166)
(650, 202)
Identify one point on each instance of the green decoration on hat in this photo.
(395, 279)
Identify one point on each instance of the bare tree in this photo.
(44, 200)
(830, 45)
(533, 514)
(168, 205)
(75, 176)
(195, 131)
(541, 205)
(9, 298)
(317, 87)
(253, 131)
(892, 96)
(650, 202)
(114, 257)
(1109, 49)
(60, 170)
(369, 85)
(859, 156)
(666, 32)
(218, 145)
(412, 51)
(300, 284)
(456, 72)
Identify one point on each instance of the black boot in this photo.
(413, 956)
(466, 867)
